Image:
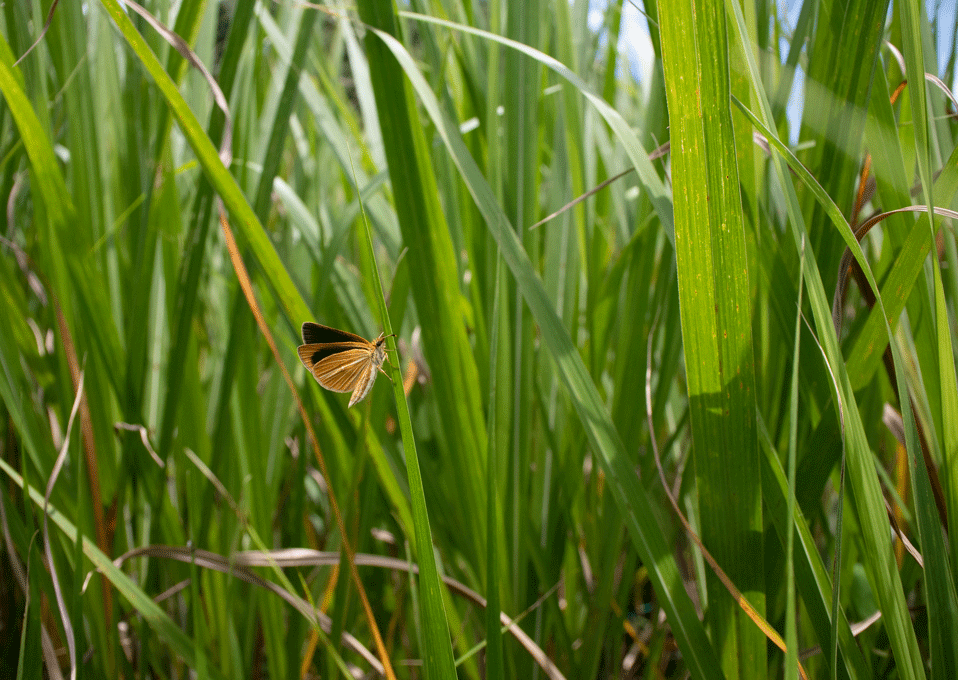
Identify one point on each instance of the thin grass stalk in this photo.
(791, 634)
(520, 101)
(434, 261)
(350, 554)
(834, 100)
(495, 668)
(301, 22)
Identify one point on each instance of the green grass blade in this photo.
(111, 182)
(437, 652)
(151, 612)
(811, 573)
(437, 290)
(247, 225)
(836, 96)
(658, 193)
(494, 652)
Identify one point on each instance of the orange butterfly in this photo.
(341, 361)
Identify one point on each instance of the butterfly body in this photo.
(341, 361)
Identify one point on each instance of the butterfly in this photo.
(341, 361)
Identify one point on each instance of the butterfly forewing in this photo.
(314, 354)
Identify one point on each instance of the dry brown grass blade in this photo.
(43, 32)
(144, 437)
(243, 277)
(658, 153)
(307, 557)
(240, 565)
(47, 551)
(845, 265)
(229, 565)
(185, 51)
(849, 266)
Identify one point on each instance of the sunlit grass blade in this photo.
(811, 573)
(716, 321)
(942, 600)
(527, 428)
(436, 292)
(494, 655)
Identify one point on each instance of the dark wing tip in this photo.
(308, 329)
(318, 334)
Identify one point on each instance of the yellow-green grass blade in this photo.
(494, 650)
(187, 289)
(716, 322)
(151, 612)
(791, 632)
(437, 298)
(78, 286)
(301, 23)
(248, 226)
(811, 573)
(656, 191)
(279, 130)
(843, 53)
(607, 268)
(911, 242)
(520, 128)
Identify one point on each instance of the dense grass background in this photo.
(382, 171)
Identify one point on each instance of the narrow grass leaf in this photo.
(716, 321)
(157, 619)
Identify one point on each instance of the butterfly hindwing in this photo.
(364, 384)
(341, 371)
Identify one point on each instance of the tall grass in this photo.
(147, 421)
